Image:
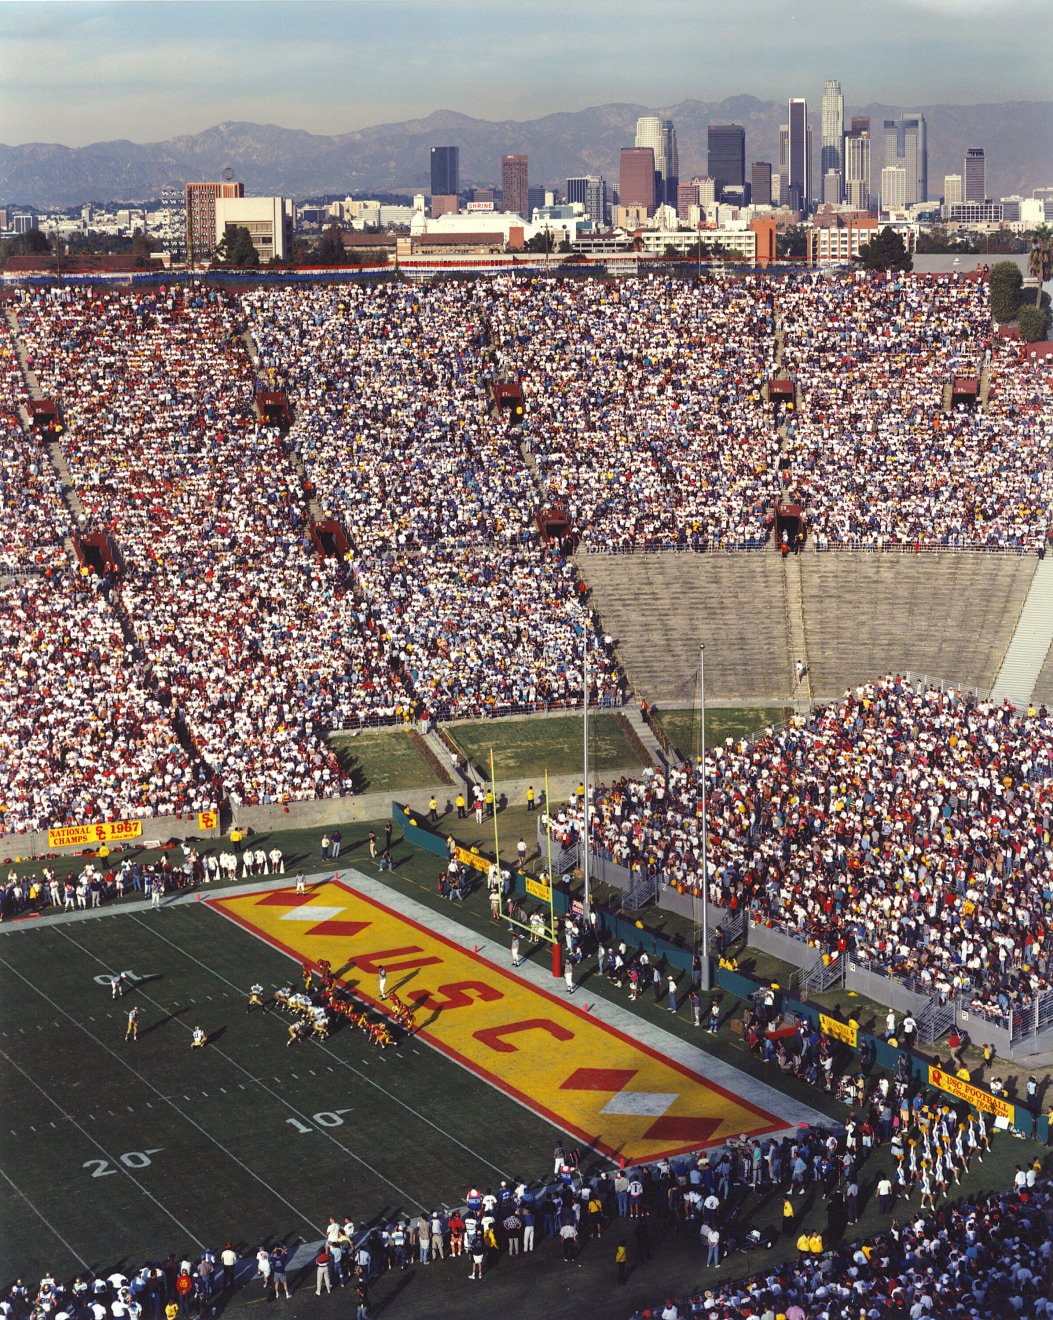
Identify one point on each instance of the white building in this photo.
(269, 221)
(893, 188)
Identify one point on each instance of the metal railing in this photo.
(823, 974)
(916, 547)
(642, 891)
(750, 544)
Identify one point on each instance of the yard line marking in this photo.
(234, 1064)
(121, 1167)
(343, 1063)
(147, 1083)
(47, 1224)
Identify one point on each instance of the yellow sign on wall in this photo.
(208, 820)
(473, 860)
(539, 889)
(846, 1031)
(972, 1095)
(105, 831)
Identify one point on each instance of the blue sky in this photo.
(77, 73)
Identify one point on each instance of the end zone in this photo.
(610, 1091)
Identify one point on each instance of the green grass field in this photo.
(523, 748)
(721, 722)
(112, 1153)
(382, 762)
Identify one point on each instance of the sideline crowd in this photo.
(908, 827)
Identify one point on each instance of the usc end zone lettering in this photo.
(584, 1076)
(80, 836)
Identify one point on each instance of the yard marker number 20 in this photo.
(131, 1159)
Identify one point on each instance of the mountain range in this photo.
(268, 159)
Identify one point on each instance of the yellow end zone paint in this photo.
(589, 1079)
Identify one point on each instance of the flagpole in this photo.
(702, 802)
(493, 794)
(585, 781)
(557, 969)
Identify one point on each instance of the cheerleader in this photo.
(981, 1132)
(971, 1141)
(959, 1149)
(939, 1179)
(926, 1187)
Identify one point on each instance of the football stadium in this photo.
(533, 781)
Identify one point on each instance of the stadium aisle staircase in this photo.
(1030, 643)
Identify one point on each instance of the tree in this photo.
(885, 252)
(791, 243)
(1033, 324)
(32, 243)
(1040, 258)
(235, 248)
(330, 249)
(1005, 282)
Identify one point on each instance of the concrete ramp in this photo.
(1028, 648)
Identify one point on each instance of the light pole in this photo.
(585, 781)
(701, 771)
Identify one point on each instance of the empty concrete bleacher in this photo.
(659, 607)
(947, 616)
(1043, 692)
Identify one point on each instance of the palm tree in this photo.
(1040, 258)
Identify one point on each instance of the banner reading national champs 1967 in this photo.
(104, 831)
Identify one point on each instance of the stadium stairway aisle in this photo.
(1028, 648)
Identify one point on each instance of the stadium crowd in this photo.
(645, 411)
(991, 1258)
(874, 459)
(645, 421)
(909, 827)
(33, 520)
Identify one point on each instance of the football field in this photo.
(125, 1150)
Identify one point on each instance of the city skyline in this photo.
(77, 74)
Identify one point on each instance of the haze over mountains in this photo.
(1017, 137)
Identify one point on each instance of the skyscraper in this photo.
(201, 215)
(760, 180)
(894, 184)
(636, 178)
(591, 191)
(857, 164)
(952, 190)
(727, 155)
(798, 165)
(832, 156)
(974, 182)
(660, 136)
(445, 171)
(515, 190)
(905, 145)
